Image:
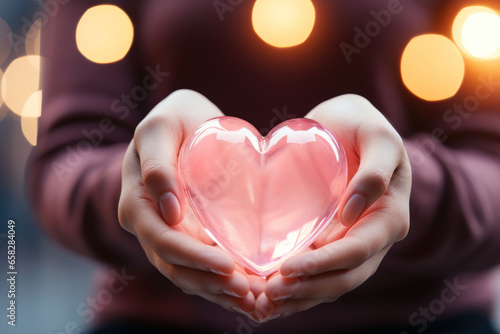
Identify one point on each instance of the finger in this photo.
(193, 281)
(266, 310)
(176, 247)
(158, 139)
(257, 284)
(374, 174)
(171, 245)
(369, 137)
(327, 286)
(231, 292)
(191, 226)
(332, 232)
(243, 305)
(374, 232)
(131, 185)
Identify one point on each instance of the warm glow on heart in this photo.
(476, 30)
(432, 67)
(283, 23)
(263, 199)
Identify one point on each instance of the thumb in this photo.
(158, 139)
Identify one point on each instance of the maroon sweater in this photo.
(90, 112)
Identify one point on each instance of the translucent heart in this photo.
(263, 199)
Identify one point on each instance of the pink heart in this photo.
(263, 199)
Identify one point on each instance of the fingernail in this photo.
(218, 272)
(282, 297)
(292, 275)
(353, 209)
(170, 208)
(231, 293)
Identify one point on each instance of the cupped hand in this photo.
(374, 213)
(153, 207)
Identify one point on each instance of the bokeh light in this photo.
(476, 31)
(31, 112)
(432, 67)
(33, 106)
(20, 81)
(1, 98)
(5, 45)
(29, 125)
(283, 23)
(104, 34)
(33, 39)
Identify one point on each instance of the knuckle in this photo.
(152, 172)
(145, 127)
(310, 264)
(155, 123)
(182, 95)
(357, 99)
(399, 224)
(406, 176)
(402, 181)
(361, 105)
(322, 258)
(124, 213)
(403, 228)
(386, 132)
(377, 181)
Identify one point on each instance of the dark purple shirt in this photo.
(90, 112)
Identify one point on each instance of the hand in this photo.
(153, 207)
(374, 212)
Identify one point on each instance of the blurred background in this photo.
(52, 282)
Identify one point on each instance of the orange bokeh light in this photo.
(104, 34)
(32, 110)
(432, 67)
(283, 23)
(20, 80)
(476, 31)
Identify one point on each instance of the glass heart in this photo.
(263, 199)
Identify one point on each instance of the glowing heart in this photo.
(263, 199)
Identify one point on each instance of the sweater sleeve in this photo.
(455, 199)
(89, 115)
